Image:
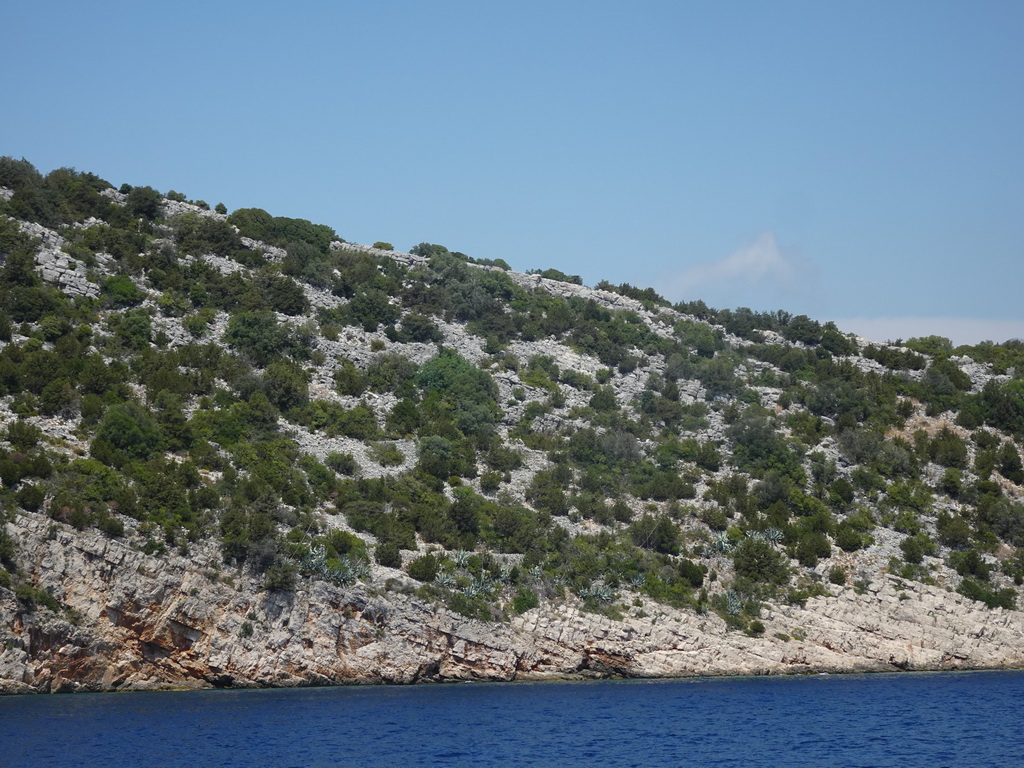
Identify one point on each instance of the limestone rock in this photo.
(138, 622)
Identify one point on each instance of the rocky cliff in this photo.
(141, 622)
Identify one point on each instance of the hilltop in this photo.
(236, 449)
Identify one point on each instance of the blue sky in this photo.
(862, 162)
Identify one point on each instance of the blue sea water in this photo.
(941, 719)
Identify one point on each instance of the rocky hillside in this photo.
(238, 450)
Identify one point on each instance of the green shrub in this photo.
(32, 597)
(23, 435)
(524, 600)
(837, 575)
(970, 563)
(280, 577)
(127, 432)
(954, 531)
(759, 561)
(915, 547)
(659, 534)
(811, 547)
(110, 526)
(983, 593)
(342, 463)
(30, 497)
(341, 543)
(388, 555)
(692, 573)
(490, 482)
(386, 454)
(424, 568)
(848, 538)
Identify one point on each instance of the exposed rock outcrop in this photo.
(133, 621)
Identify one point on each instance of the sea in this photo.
(905, 719)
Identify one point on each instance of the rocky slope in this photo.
(449, 470)
(141, 622)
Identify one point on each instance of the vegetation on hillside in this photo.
(320, 408)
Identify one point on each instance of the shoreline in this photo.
(522, 681)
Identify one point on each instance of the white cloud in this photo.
(757, 265)
(959, 330)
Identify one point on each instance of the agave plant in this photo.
(773, 535)
(505, 573)
(445, 579)
(733, 603)
(361, 570)
(460, 558)
(722, 542)
(478, 586)
(601, 592)
(638, 580)
(316, 559)
(342, 576)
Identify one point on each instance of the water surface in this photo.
(940, 719)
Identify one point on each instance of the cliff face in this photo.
(140, 622)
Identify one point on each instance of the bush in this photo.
(386, 454)
(837, 575)
(983, 593)
(110, 526)
(811, 547)
(848, 538)
(32, 597)
(424, 568)
(948, 449)
(342, 463)
(915, 547)
(259, 335)
(692, 573)
(280, 577)
(23, 435)
(970, 563)
(524, 600)
(30, 497)
(144, 202)
(954, 531)
(656, 533)
(490, 481)
(119, 292)
(759, 561)
(126, 432)
(388, 555)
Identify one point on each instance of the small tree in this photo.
(424, 568)
(758, 560)
(388, 555)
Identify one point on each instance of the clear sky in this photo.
(859, 161)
